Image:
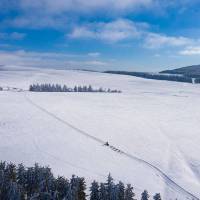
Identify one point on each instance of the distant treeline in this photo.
(64, 88)
(38, 183)
(154, 76)
(1, 88)
(174, 72)
(197, 80)
(192, 71)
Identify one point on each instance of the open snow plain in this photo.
(154, 124)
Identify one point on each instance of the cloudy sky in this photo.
(137, 35)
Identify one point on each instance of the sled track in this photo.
(166, 178)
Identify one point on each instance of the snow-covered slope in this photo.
(154, 124)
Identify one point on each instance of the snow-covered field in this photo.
(157, 122)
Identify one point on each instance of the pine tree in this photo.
(102, 192)
(94, 191)
(69, 195)
(129, 194)
(62, 187)
(3, 188)
(80, 89)
(75, 89)
(115, 193)
(90, 88)
(21, 179)
(30, 88)
(109, 186)
(13, 192)
(100, 89)
(64, 89)
(145, 195)
(11, 172)
(85, 89)
(121, 189)
(157, 196)
(81, 189)
(74, 183)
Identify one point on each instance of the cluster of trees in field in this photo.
(178, 78)
(59, 88)
(38, 183)
(1, 88)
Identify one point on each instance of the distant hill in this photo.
(155, 76)
(190, 74)
(190, 71)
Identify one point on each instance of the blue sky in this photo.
(135, 35)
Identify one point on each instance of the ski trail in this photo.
(166, 178)
(67, 163)
(65, 122)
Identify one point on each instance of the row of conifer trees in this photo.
(38, 183)
(63, 88)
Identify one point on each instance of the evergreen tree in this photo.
(3, 188)
(157, 196)
(94, 191)
(81, 189)
(80, 89)
(115, 193)
(11, 172)
(102, 192)
(121, 189)
(74, 183)
(109, 187)
(20, 183)
(90, 88)
(21, 179)
(62, 187)
(75, 89)
(13, 191)
(85, 89)
(145, 195)
(129, 194)
(65, 89)
(100, 89)
(69, 195)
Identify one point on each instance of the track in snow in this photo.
(166, 178)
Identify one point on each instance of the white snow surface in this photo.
(155, 121)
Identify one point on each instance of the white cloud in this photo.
(96, 63)
(82, 32)
(12, 36)
(57, 13)
(59, 6)
(37, 21)
(94, 54)
(114, 31)
(157, 55)
(192, 50)
(46, 59)
(60, 13)
(123, 29)
(17, 36)
(154, 40)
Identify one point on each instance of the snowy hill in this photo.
(191, 71)
(154, 125)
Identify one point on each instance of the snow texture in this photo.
(152, 127)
